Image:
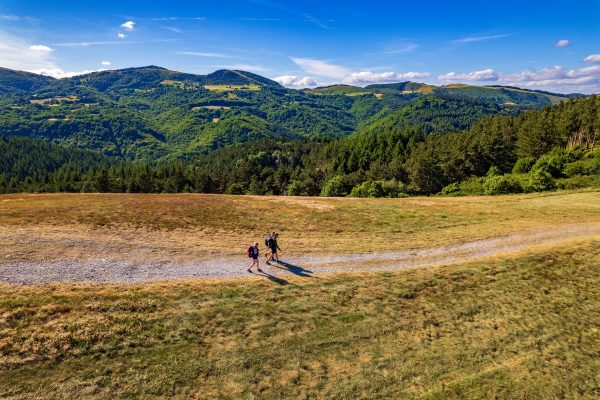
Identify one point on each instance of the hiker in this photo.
(273, 247)
(252, 252)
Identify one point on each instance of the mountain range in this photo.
(152, 113)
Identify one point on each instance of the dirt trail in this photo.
(113, 271)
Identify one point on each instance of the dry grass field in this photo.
(184, 227)
(520, 326)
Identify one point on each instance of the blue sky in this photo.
(552, 45)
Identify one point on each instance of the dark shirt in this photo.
(274, 245)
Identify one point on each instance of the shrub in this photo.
(523, 165)
(391, 188)
(493, 171)
(540, 180)
(360, 190)
(335, 187)
(452, 189)
(295, 188)
(394, 188)
(552, 163)
(582, 167)
(579, 182)
(505, 184)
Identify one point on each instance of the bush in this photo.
(505, 184)
(376, 189)
(296, 188)
(493, 171)
(452, 189)
(523, 165)
(391, 188)
(579, 182)
(582, 167)
(541, 180)
(552, 163)
(360, 190)
(335, 187)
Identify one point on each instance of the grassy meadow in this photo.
(188, 226)
(507, 328)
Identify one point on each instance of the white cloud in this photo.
(59, 73)
(558, 78)
(105, 63)
(128, 26)
(322, 68)
(470, 39)
(294, 81)
(40, 47)
(372, 77)
(16, 53)
(121, 35)
(563, 43)
(202, 54)
(475, 76)
(593, 58)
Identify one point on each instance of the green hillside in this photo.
(152, 113)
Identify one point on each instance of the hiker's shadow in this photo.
(272, 278)
(294, 269)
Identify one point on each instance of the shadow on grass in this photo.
(294, 269)
(272, 278)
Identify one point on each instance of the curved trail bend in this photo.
(111, 271)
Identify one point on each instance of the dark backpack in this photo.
(250, 251)
(269, 242)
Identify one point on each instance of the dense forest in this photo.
(154, 130)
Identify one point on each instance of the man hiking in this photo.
(252, 252)
(273, 247)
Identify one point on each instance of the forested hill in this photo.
(554, 147)
(151, 113)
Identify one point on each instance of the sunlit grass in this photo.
(508, 328)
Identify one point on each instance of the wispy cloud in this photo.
(173, 29)
(202, 54)
(346, 75)
(555, 78)
(19, 18)
(121, 35)
(563, 43)
(318, 22)
(261, 19)
(475, 76)
(173, 19)
(593, 58)
(109, 43)
(321, 68)
(105, 63)
(471, 39)
(365, 77)
(59, 73)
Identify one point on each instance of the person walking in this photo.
(273, 247)
(253, 252)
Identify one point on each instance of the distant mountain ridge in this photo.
(155, 113)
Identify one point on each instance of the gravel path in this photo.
(106, 270)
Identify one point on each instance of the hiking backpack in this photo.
(249, 251)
